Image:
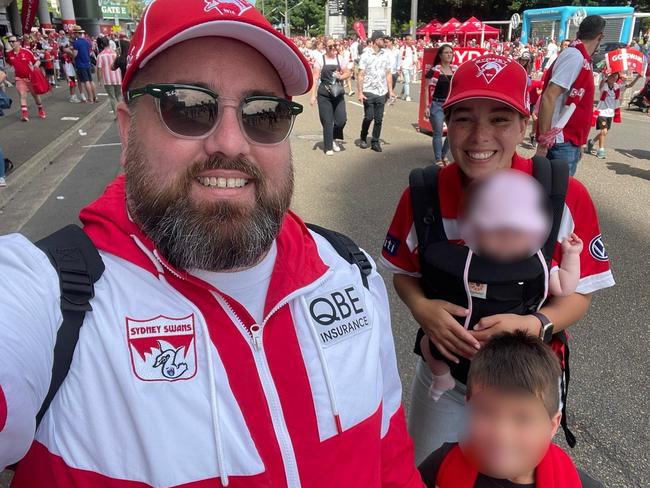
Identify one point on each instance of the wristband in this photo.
(548, 139)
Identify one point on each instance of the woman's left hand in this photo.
(490, 326)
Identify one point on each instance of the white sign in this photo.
(515, 20)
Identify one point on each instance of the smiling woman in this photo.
(487, 113)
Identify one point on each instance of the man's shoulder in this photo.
(20, 258)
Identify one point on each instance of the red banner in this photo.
(629, 60)
(30, 7)
(461, 54)
(360, 30)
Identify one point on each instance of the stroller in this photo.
(641, 99)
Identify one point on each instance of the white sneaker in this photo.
(74, 99)
(329, 153)
(337, 148)
(3, 182)
(408, 99)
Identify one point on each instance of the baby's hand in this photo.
(572, 245)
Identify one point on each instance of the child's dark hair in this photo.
(520, 362)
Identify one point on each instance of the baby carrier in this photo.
(451, 272)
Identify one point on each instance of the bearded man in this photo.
(225, 343)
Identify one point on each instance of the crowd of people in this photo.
(71, 57)
(338, 63)
(225, 341)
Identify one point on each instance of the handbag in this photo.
(5, 101)
(335, 89)
(39, 82)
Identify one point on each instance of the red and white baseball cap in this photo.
(168, 22)
(492, 77)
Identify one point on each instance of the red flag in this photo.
(629, 60)
(360, 30)
(30, 7)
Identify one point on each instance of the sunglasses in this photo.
(194, 112)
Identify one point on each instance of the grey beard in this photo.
(215, 237)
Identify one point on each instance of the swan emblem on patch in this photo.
(227, 7)
(162, 348)
(489, 68)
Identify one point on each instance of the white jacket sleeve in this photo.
(29, 320)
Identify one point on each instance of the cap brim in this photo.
(487, 95)
(285, 57)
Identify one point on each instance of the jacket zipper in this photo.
(254, 332)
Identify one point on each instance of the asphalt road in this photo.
(356, 191)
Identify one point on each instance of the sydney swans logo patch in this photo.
(162, 348)
(227, 7)
(489, 68)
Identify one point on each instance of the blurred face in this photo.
(380, 43)
(508, 433)
(196, 225)
(408, 40)
(505, 244)
(483, 135)
(332, 48)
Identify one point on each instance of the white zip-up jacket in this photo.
(172, 384)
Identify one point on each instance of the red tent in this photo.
(450, 27)
(431, 29)
(473, 27)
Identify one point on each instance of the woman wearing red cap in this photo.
(487, 113)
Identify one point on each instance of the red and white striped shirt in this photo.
(105, 62)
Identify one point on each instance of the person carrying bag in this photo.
(329, 94)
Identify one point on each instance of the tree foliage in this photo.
(312, 12)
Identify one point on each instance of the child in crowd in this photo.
(71, 75)
(513, 415)
(505, 220)
(612, 87)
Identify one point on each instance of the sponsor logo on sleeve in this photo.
(339, 315)
(162, 348)
(391, 245)
(597, 249)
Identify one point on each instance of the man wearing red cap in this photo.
(487, 113)
(228, 344)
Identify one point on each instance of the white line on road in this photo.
(104, 145)
(355, 103)
(70, 118)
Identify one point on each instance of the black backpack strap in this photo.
(427, 217)
(79, 266)
(347, 249)
(554, 178)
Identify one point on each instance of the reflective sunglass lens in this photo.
(267, 121)
(188, 113)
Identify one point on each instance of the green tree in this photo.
(309, 16)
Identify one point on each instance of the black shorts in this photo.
(84, 75)
(604, 123)
(49, 71)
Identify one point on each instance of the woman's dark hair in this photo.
(436, 60)
(518, 362)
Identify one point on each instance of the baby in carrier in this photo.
(505, 220)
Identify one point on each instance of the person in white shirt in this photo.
(407, 63)
(392, 52)
(374, 83)
(551, 54)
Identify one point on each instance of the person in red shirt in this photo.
(487, 114)
(24, 61)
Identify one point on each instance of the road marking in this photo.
(70, 118)
(355, 103)
(104, 145)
